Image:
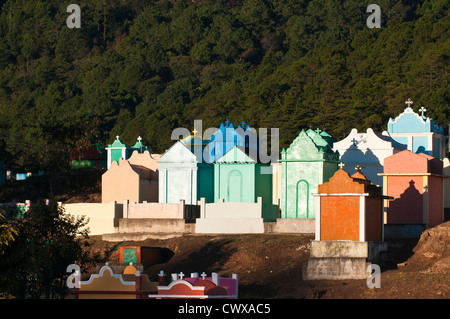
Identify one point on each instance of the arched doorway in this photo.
(302, 199)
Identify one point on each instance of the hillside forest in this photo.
(143, 68)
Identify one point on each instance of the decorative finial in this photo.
(139, 139)
(422, 110)
(117, 137)
(409, 102)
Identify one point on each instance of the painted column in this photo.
(362, 218)
(317, 222)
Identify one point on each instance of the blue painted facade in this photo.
(227, 136)
(418, 133)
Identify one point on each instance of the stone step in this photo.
(336, 269)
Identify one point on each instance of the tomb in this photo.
(308, 162)
(367, 150)
(239, 177)
(349, 228)
(94, 156)
(227, 136)
(140, 254)
(419, 133)
(127, 181)
(109, 285)
(242, 196)
(197, 287)
(416, 184)
(119, 150)
(349, 208)
(184, 176)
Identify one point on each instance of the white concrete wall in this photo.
(154, 210)
(230, 218)
(223, 209)
(103, 217)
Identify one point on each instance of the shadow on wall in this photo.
(421, 149)
(369, 162)
(408, 207)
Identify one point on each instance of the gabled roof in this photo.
(407, 162)
(178, 153)
(310, 145)
(238, 154)
(117, 143)
(342, 182)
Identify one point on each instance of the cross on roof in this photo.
(227, 122)
(318, 130)
(243, 124)
(194, 131)
(422, 110)
(203, 275)
(357, 168)
(181, 275)
(409, 102)
(139, 139)
(117, 137)
(341, 165)
(354, 141)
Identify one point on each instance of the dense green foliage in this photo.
(35, 264)
(146, 67)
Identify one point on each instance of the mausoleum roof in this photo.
(411, 122)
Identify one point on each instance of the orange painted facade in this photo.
(416, 182)
(350, 208)
(339, 218)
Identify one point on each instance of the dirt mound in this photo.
(269, 265)
(432, 252)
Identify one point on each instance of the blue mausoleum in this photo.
(419, 133)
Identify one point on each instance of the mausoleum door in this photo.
(234, 186)
(302, 199)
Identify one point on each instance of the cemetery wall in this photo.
(154, 210)
(103, 217)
